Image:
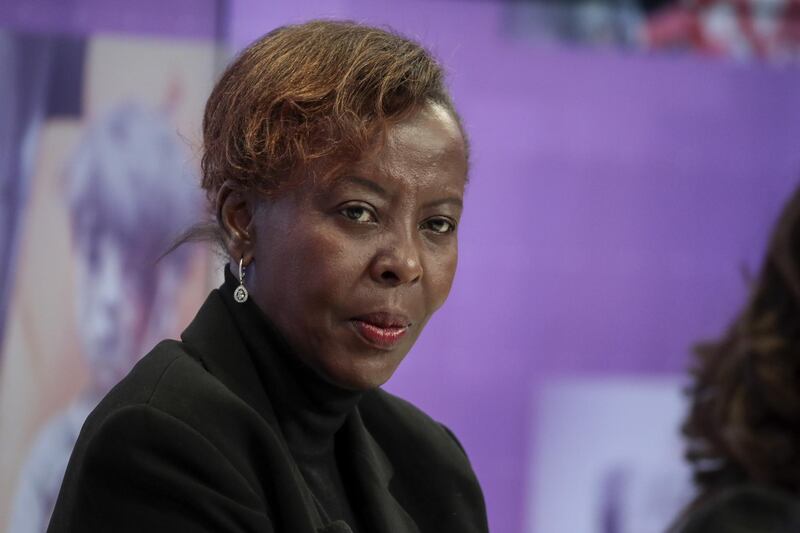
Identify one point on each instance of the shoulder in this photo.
(171, 390)
(168, 432)
(164, 363)
(743, 509)
(166, 379)
(136, 461)
(158, 387)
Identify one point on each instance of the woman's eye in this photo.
(439, 225)
(358, 213)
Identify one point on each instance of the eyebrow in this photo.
(453, 200)
(363, 182)
(377, 188)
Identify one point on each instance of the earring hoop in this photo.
(240, 294)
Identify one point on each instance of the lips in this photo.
(382, 330)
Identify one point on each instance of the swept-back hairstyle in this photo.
(306, 98)
(744, 420)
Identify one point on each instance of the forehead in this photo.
(425, 149)
(432, 131)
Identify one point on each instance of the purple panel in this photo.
(615, 200)
(174, 18)
(252, 18)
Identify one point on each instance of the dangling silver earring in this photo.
(240, 294)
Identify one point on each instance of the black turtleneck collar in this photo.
(310, 409)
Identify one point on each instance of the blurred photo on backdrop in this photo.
(106, 179)
(129, 196)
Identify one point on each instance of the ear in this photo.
(235, 211)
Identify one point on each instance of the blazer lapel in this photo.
(214, 339)
(372, 471)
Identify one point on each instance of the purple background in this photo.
(169, 18)
(615, 200)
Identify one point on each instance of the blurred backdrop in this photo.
(628, 160)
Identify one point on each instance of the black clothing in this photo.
(309, 410)
(744, 509)
(227, 431)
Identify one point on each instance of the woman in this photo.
(335, 164)
(744, 422)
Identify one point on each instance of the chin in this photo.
(363, 375)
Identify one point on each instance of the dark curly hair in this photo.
(744, 421)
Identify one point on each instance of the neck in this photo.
(310, 409)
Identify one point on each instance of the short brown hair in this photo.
(307, 93)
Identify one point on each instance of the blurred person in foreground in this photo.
(335, 165)
(128, 199)
(743, 426)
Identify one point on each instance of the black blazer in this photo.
(744, 509)
(189, 442)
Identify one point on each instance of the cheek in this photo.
(441, 271)
(334, 266)
(314, 269)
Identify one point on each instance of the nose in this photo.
(397, 264)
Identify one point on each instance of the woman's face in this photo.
(350, 270)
